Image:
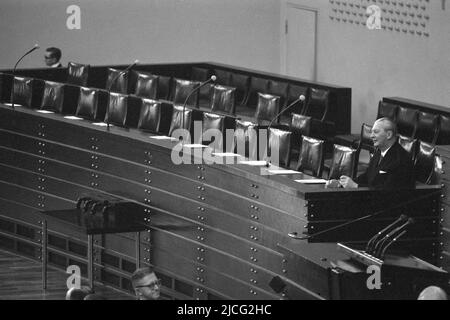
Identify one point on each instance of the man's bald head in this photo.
(433, 293)
(384, 133)
(388, 125)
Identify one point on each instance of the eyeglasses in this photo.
(151, 285)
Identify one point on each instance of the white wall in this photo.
(238, 32)
(381, 63)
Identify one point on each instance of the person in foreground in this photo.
(390, 167)
(146, 284)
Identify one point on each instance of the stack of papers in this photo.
(72, 118)
(282, 171)
(101, 124)
(44, 111)
(163, 138)
(254, 163)
(311, 181)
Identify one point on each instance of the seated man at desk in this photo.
(390, 167)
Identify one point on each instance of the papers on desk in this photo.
(282, 171)
(194, 145)
(225, 154)
(311, 181)
(73, 118)
(163, 138)
(254, 163)
(44, 111)
(10, 104)
(101, 124)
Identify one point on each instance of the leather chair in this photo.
(199, 74)
(409, 144)
(424, 163)
(177, 119)
(146, 84)
(241, 82)
(91, 103)
(311, 158)
(257, 86)
(294, 92)
(53, 97)
(150, 116)
(182, 88)
(23, 91)
(212, 121)
(343, 162)
(280, 140)
(120, 84)
(300, 126)
(78, 74)
(364, 143)
(388, 110)
(223, 99)
(407, 121)
(267, 108)
(245, 139)
(278, 88)
(318, 104)
(164, 87)
(223, 77)
(117, 109)
(204, 95)
(444, 130)
(427, 127)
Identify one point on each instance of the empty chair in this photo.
(424, 163)
(53, 97)
(241, 82)
(300, 126)
(318, 104)
(444, 130)
(427, 127)
(407, 121)
(311, 158)
(146, 84)
(257, 86)
(279, 88)
(91, 103)
(267, 108)
(245, 139)
(294, 92)
(117, 109)
(223, 99)
(200, 74)
(343, 162)
(22, 93)
(181, 90)
(78, 74)
(213, 127)
(150, 115)
(223, 77)
(409, 144)
(177, 119)
(117, 83)
(387, 110)
(279, 147)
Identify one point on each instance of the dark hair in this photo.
(77, 294)
(140, 273)
(56, 52)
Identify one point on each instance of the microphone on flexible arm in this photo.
(213, 78)
(300, 98)
(385, 242)
(36, 46)
(111, 84)
(382, 233)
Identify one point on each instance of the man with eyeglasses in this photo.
(52, 57)
(145, 284)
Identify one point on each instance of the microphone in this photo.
(213, 78)
(379, 247)
(382, 233)
(278, 285)
(300, 98)
(35, 47)
(111, 84)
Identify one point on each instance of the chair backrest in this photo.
(223, 77)
(223, 99)
(387, 110)
(199, 74)
(424, 163)
(117, 109)
(318, 104)
(406, 121)
(53, 97)
(280, 89)
(300, 126)
(90, 103)
(164, 87)
(23, 91)
(212, 121)
(146, 84)
(245, 139)
(427, 127)
(181, 90)
(343, 162)
(177, 119)
(311, 156)
(257, 86)
(150, 115)
(365, 141)
(267, 108)
(409, 144)
(119, 84)
(242, 83)
(280, 141)
(444, 130)
(78, 74)
(294, 92)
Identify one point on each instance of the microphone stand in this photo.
(36, 46)
(379, 246)
(390, 243)
(300, 98)
(110, 86)
(382, 233)
(213, 78)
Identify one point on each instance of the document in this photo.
(15, 104)
(73, 118)
(311, 181)
(44, 111)
(282, 171)
(101, 124)
(194, 145)
(163, 138)
(254, 163)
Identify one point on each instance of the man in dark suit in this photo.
(146, 284)
(391, 166)
(52, 57)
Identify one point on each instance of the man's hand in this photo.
(333, 183)
(347, 182)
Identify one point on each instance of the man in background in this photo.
(52, 57)
(146, 284)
